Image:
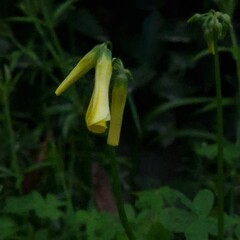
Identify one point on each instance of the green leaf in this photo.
(47, 208)
(195, 133)
(203, 202)
(206, 52)
(213, 105)
(5, 172)
(82, 216)
(237, 231)
(206, 150)
(7, 228)
(176, 220)
(151, 200)
(99, 225)
(44, 208)
(174, 104)
(174, 197)
(41, 234)
(231, 153)
(60, 108)
(157, 231)
(62, 8)
(212, 225)
(25, 19)
(37, 166)
(142, 228)
(19, 205)
(130, 212)
(198, 230)
(68, 123)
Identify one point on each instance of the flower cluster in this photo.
(98, 112)
(214, 25)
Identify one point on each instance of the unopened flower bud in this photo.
(214, 25)
(119, 96)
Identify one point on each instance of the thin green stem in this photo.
(11, 138)
(232, 209)
(50, 26)
(118, 194)
(220, 172)
(237, 60)
(60, 177)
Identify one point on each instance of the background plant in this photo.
(168, 135)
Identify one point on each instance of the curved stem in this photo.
(118, 194)
(220, 172)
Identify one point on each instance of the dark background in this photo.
(156, 43)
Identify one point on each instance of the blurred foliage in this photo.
(168, 134)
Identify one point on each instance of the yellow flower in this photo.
(98, 112)
(84, 65)
(119, 96)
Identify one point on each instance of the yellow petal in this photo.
(98, 112)
(119, 96)
(84, 65)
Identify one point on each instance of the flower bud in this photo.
(214, 25)
(208, 35)
(119, 96)
(195, 18)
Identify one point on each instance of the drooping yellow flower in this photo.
(98, 112)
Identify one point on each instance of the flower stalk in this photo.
(119, 95)
(214, 25)
(220, 163)
(118, 194)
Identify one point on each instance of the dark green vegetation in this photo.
(54, 173)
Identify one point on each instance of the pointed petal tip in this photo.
(58, 92)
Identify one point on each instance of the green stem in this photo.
(232, 209)
(118, 194)
(220, 172)
(59, 167)
(237, 60)
(11, 138)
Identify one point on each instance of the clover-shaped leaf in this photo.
(203, 202)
